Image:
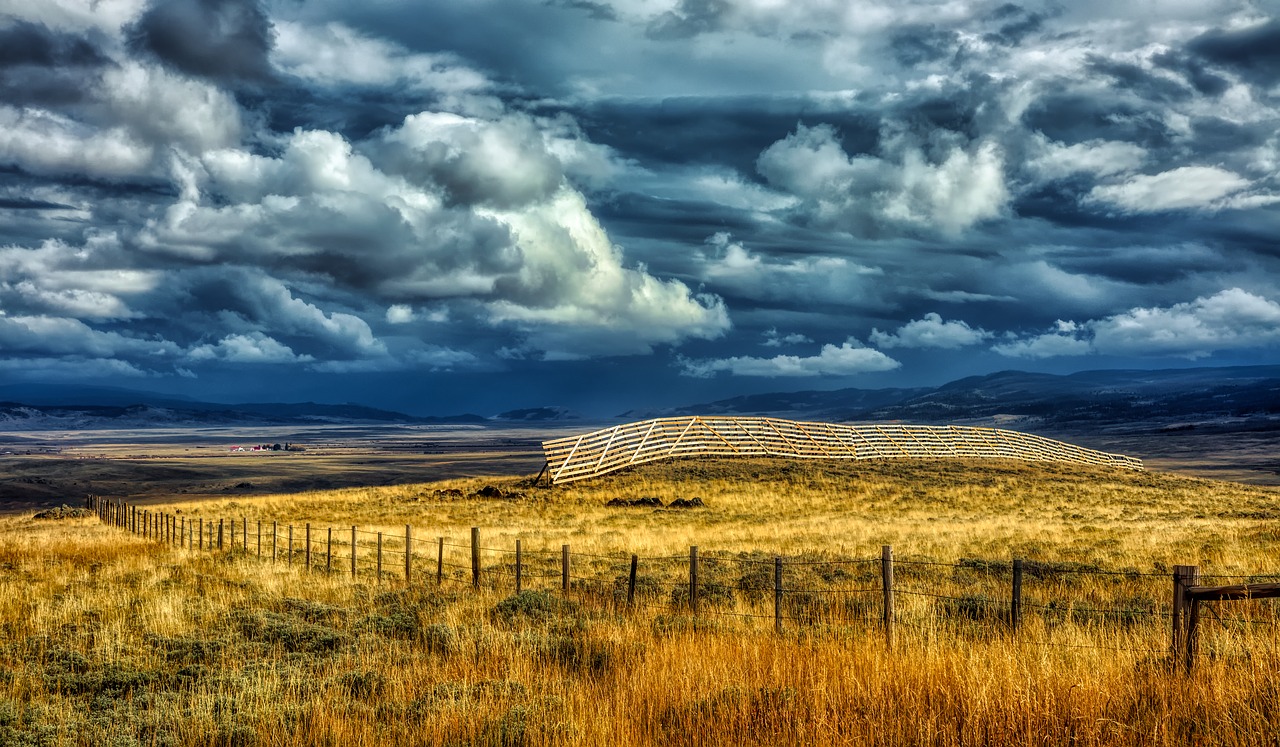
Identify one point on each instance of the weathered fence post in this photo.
(1193, 618)
(353, 551)
(1015, 603)
(475, 557)
(379, 557)
(275, 532)
(519, 566)
(631, 580)
(182, 533)
(290, 555)
(201, 533)
(259, 539)
(886, 578)
(693, 578)
(1181, 579)
(219, 534)
(777, 593)
(408, 555)
(328, 552)
(308, 553)
(564, 568)
(439, 561)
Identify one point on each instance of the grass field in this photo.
(110, 639)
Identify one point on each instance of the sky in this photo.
(478, 205)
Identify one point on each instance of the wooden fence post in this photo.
(1015, 604)
(408, 554)
(290, 555)
(439, 561)
(379, 557)
(886, 578)
(777, 593)
(1193, 618)
(564, 568)
(519, 566)
(219, 534)
(693, 578)
(259, 539)
(182, 533)
(201, 533)
(328, 552)
(353, 551)
(275, 532)
(631, 581)
(1181, 574)
(308, 553)
(475, 557)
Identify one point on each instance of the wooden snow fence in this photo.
(603, 451)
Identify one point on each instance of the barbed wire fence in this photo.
(1155, 614)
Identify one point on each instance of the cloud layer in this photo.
(200, 188)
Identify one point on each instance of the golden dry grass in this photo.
(109, 639)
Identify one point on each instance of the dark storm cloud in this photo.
(1194, 70)
(595, 11)
(25, 43)
(918, 44)
(26, 203)
(1015, 24)
(689, 18)
(1252, 52)
(1137, 80)
(1072, 117)
(46, 68)
(724, 130)
(225, 40)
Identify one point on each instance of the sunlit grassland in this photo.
(109, 639)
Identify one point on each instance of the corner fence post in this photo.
(886, 579)
(475, 557)
(1015, 604)
(631, 581)
(519, 566)
(777, 593)
(693, 579)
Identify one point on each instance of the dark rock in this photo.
(488, 491)
(687, 503)
(63, 512)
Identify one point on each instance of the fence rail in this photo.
(603, 451)
(802, 591)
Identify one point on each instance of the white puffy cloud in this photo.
(1231, 319)
(847, 359)
(254, 347)
(773, 339)
(48, 143)
(869, 195)
(50, 335)
(730, 265)
(334, 53)
(1183, 188)
(930, 331)
(1054, 160)
(400, 314)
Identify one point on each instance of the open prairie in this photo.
(114, 639)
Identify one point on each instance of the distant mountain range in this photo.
(1168, 398)
(52, 407)
(1165, 396)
